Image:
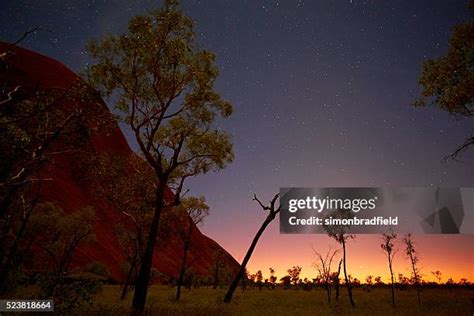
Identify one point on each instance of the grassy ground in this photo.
(290, 302)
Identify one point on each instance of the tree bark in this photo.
(129, 277)
(216, 276)
(392, 285)
(337, 280)
(143, 278)
(183, 263)
(14, 247)
(328, 291)
(348, 284)
(235, 283)
(416, 277)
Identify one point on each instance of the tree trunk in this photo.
(13, 249)
(6, 201)
(129, 277)
(337, 280)
(348, 284)
(183, 263)
(216, 276)
(415, 275)
(235, 283)
(328, 291)
(392, 285)
(143, 278)
(418, 292)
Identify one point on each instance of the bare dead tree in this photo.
(323, 265)
(272, 212)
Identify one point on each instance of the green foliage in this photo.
(59, 234)
(448, 81)
(98, 268)
(30, 124)
(340, 233)
(294, 274)
(164, 87)
(195, 208)
(69, 294)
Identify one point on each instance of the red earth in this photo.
(32, 72)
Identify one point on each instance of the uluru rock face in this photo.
(34, 72)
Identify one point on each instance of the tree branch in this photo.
(467, 143)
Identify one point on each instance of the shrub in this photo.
(98, 268)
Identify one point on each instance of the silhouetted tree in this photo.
(259, 279)
(294, 274)
(355, 282)
(378, 280)
(286, 281)
(218, 266)
(410, 252)
(336, 280)
(450, 284)
(323, 265)
(437, 274)
(403, 281)
(340, 233)
(448, 80)
(245, 280)
(388, 246)
(164, 88)
(368, 282)
(273, 278)
(272, 212)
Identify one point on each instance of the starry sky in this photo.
(322, 93)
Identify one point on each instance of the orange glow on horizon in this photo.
(453, 255)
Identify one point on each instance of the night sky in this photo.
(322, 95)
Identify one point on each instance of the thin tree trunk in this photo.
(392, 285)
(328, 291)
(216, 277)
(6, 201)
(337, 280)
(348, 284)
(270, 217)
(128, 280)
(143, 279)
(415, 275)
(13, 249)
(235, 283)
(183, 263)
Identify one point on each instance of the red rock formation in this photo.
(37, 72)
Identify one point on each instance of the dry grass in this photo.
(289, 302)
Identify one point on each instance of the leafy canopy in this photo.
(163, 85)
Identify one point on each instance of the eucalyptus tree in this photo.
(163, 86)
